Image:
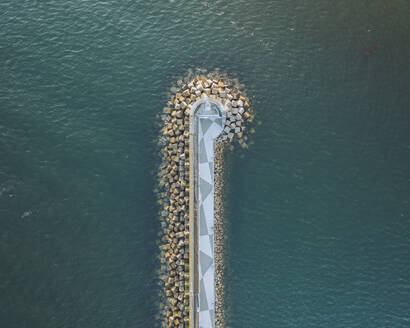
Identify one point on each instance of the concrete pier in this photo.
(207, 123)
(203, 115)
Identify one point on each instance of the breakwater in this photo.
(203, 115)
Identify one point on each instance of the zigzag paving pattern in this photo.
(210, 125)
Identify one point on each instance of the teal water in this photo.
(318, 208)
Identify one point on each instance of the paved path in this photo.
(207, 124)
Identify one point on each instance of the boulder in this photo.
(199, 86)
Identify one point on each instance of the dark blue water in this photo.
(318, 208)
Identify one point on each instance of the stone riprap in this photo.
(204, 114)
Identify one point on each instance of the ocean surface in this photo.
(318, 208)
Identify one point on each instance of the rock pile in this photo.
(174, 191)
(219, 236)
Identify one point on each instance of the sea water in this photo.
(317, 208)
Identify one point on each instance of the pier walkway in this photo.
(207, 123)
